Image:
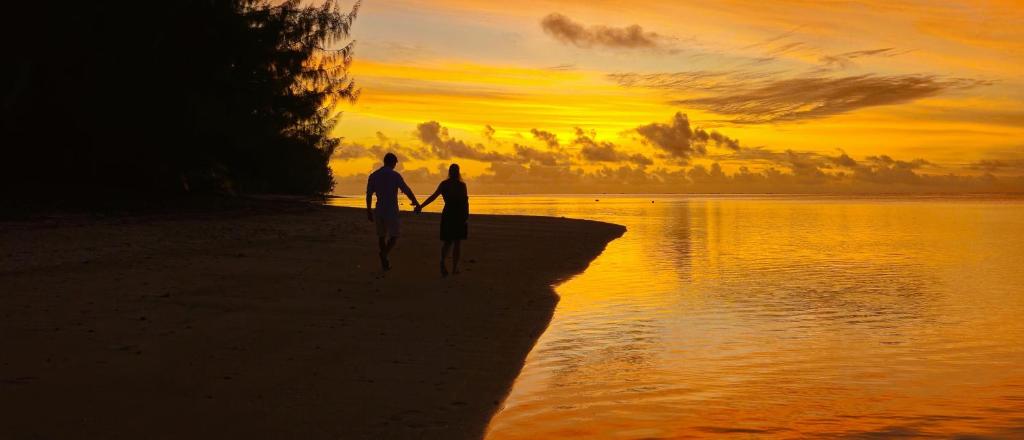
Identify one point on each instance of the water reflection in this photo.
(787, 317)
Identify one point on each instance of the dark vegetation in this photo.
(157, 98)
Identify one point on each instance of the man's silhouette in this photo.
(385, 183)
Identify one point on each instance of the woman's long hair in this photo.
(453, 173)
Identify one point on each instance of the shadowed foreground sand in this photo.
(270, 323)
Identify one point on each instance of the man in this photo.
(385, 183)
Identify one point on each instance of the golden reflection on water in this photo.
(781, 317)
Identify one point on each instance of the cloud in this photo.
(351, 150)
(997, 165)
(547, 137)
(566, 30)
(780, 45)
(443, 146)
(815, 168)
(600, 166)
(816, 97)
(347, 151)
(886, 170)
(773, 39)
(813, 172)
(700, 175)
(721, 139)
(878, 176)
(395, 51)
(518, 178)
(845, 60)
(593, 151)
(562, 67)
(529, 169)
(525, 154)
(786, 48)
(674, 138)
(759, 97)
(707, 81)
(489, 132)
(679, 141)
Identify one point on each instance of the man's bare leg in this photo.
(385, 248)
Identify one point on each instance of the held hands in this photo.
(417, 208)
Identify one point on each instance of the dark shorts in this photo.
(387, 226)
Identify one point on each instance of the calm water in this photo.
(780, 317)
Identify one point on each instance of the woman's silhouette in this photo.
(454, 216)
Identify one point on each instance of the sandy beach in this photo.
(270, 322)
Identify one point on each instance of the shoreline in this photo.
(272, 322)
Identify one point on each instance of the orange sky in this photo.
(665, 96)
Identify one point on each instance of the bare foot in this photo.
(444, 270)
(384, 263)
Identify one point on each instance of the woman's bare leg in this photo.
(455, 256)
(444, 255)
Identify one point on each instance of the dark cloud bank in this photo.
(551, 167)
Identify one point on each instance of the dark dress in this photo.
(456, 210)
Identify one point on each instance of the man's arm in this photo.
(369, 199)
(407, 191)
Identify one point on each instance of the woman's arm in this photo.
(430, 199)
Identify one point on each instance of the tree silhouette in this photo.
(164, 97)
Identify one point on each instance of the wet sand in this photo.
(270, 322)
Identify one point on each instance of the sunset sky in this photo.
(671, 96)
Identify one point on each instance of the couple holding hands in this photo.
(386, 182)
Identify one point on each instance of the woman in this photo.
(454, 216)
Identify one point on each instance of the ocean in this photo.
(778, 316)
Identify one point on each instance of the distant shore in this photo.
(272, 321)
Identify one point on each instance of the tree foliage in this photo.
(186, 95)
